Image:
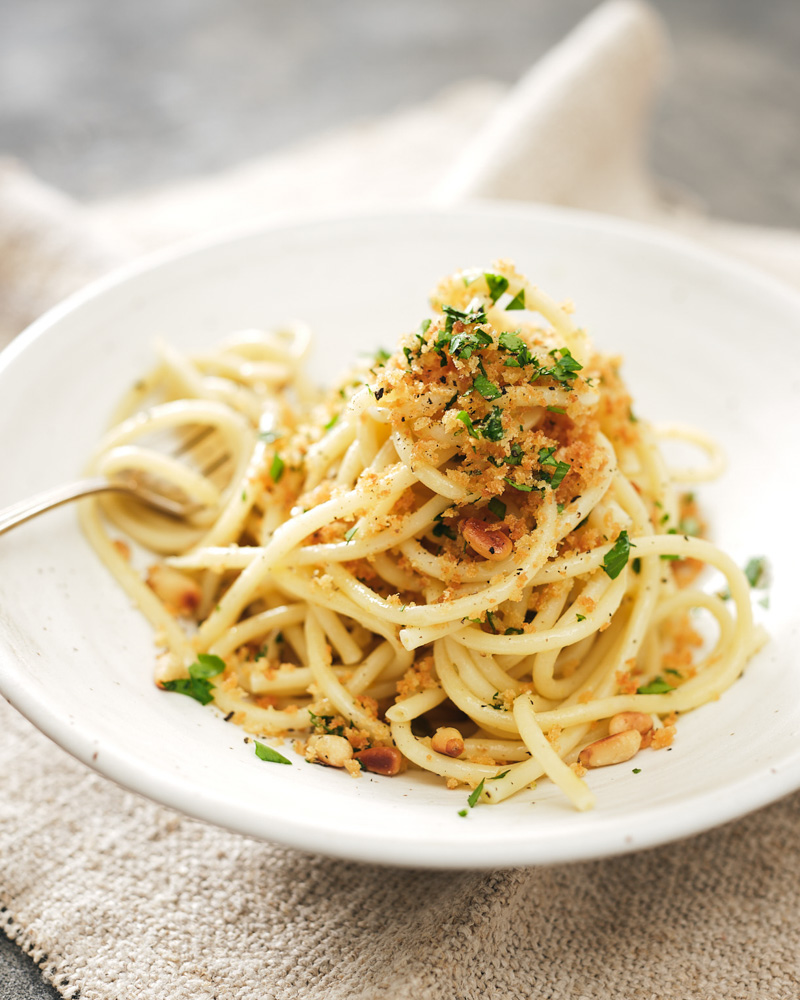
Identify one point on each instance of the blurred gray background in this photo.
(100, 97)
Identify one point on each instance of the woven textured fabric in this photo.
(118, 898)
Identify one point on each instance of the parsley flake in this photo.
(350, 535)
(617, 557)
(198, 685)
(276, 469)
(497, 507)
(523, 487)
(756, 572)
(656, 686)
(518, 302)
(482, 384)
(464, 345)
(491, 427)
(476, 794)
(496, 284)
(466, 420)
(441, 529)
(562, 468)
(263, 752)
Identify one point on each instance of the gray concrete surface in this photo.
(100, 97)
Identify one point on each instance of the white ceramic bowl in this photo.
(705, 340)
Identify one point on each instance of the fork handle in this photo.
(17, 513)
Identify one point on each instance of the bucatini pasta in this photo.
(469, 557)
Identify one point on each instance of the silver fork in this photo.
(22, 511)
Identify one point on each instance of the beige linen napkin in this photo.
(118, 898)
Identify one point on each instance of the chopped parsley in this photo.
(332, 422)
(615, 559)
(464, 344)
(424, 327)
(321, 724)
(474, 313)
(463, 812)
(516, 346)
(491, 427)
(441, 529)
(482, 384)
(514, 458)
(523, 487)
(497, 507)
(198, 685)
(756, 572)
(497, 284)
(276, 469)
(518, 302)
(581, 618)
(476, 794)
(566, 367)
(556, 409)
(511, 341)
(562, 468)
(466, 420)
(263, 752)
(637, 770)
(656, 686)
(514, 631)
(350, 535)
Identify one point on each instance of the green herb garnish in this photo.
(482, 384)
(523, 487)
(464, 344)
(466, 420)
(497, 284)
(566, 367)
(476, 794)
(497, 507)
(276, 469)
(756, 572)
(491, 427)
(440, 528)
(263, 752)
(350, 535)
(198, 685)
(656, 686)
(518, 302)
(616, 558)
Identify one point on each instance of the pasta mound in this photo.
(468, 557)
